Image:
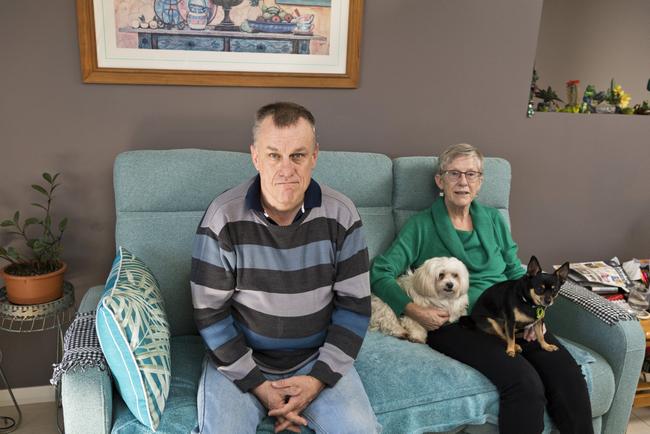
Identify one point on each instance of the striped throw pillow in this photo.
(134, 335)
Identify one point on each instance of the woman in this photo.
(457, 226)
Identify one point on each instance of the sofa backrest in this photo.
(160, 197)
(415, 188)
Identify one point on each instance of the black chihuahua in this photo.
(508, 307)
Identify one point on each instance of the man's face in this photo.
(285, 159)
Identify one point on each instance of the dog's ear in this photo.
(533, 267)
(464, 281)
(424, 277)
(563, 272)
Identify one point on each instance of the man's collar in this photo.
(313, 196)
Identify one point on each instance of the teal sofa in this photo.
(160, 197)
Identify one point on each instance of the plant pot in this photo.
(34, 289)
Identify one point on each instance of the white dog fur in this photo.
(438, 282)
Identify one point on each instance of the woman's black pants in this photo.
(526, 383)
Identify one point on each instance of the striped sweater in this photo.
(272, 298)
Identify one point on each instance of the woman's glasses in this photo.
(454, 175)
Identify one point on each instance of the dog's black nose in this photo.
(449, 285)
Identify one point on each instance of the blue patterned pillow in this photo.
(134, 335)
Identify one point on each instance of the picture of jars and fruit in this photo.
(135, 18)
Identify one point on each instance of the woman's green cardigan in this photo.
(488, 252)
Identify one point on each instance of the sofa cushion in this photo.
(367, 179)
(601, 381)
(414, 389)
(150, 238)
(188, 179)
(161, 195)
(134, 336)
(180, 414)
(405, 401)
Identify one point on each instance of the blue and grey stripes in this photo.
(271, 298)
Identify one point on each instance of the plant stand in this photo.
(8, 424)
(36, 318)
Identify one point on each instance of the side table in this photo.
(642, 396)
(17, 318)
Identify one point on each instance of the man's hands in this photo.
(287, 398)
(431, 318)
(301, 391)
(269, 396)
(274, 398)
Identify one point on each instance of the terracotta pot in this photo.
(34, 289)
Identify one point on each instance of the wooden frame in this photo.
(92, 73)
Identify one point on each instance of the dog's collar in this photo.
(540, 311)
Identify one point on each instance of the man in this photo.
(281, 293)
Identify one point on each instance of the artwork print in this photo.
(227, 35)
(257, 43)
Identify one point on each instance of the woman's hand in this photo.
(431, 318)
(529, 332)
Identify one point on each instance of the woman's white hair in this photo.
(458, 150)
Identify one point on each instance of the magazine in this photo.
(600, 276)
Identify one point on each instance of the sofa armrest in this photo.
(87, 394)
(621, 344)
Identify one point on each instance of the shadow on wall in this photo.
(223, 131)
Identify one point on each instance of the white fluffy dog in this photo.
(439, 282)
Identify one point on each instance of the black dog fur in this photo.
(508, 307)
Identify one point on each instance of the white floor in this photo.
(36, 418)
(41, 419)
(639, 421)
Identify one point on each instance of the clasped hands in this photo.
(286, 399)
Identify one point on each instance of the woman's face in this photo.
(459, 188)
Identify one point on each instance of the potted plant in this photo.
(37, 277)
(549, 100)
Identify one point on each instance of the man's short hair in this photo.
(283, 114)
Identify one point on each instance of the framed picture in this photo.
(260, 43)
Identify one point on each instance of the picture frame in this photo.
(233, 62)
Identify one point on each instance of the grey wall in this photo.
(432, 73)
(594, 41)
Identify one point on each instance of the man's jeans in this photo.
(223, 408)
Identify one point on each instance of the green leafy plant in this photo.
(39, 234)
(549, 99)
